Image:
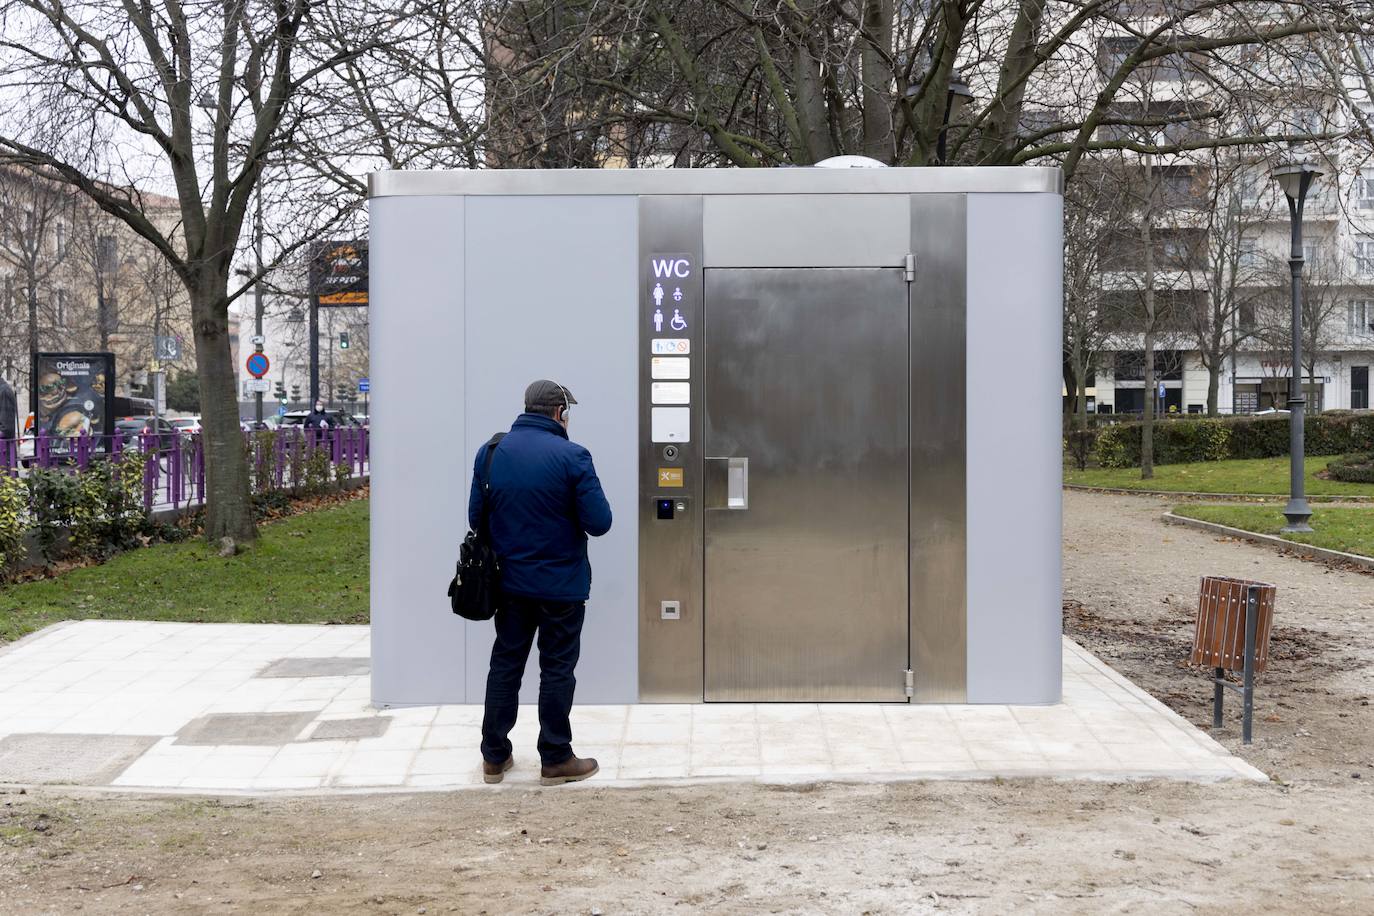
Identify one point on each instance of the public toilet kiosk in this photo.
(824, 405)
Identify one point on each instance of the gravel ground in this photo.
(1302, 843)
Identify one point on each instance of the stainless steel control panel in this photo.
(670, 441)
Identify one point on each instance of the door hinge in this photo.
(910, 683)
(909, 268)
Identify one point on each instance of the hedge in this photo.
(1223, 438)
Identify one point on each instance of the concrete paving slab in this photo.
(69, 759)
(257, 729)
(178, 707)
(316, 667)
(336, 729)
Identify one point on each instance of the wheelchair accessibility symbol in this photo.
(678, 323)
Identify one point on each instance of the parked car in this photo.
(188, 425)
(363, 420)
(337, 419)
(132, 429)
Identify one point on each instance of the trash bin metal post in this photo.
(1218, 695)
(1252, 598)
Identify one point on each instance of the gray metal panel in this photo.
(947, 180)
(416, 518)
(938, 526)
(550, 291)
(670, 665)
(806, 592)
(806, 230)
(1015, 464)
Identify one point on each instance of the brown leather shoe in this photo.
(573, 769)
(495, 772)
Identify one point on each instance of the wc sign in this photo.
(667, 290)
(671, 267)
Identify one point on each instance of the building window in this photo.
(1364, 256)
(1364, 192)
(1249, 255)
(61, 236)
(1312, 252)
(1360, 314)
(61, 316)
(1359, 387)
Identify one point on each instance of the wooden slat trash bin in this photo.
(1234, 619)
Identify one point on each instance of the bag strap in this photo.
(486, 486)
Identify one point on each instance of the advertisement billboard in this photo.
(338, 272)
(73, 393)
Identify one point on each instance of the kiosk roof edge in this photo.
(945, 180)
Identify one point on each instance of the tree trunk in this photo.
(228, 502)
(1213, 387)
(1079, 396)
(1147, 417)
(33, 320)
(877, 80)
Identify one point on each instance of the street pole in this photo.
(257, 299)
(1295, 181)
(314, 348)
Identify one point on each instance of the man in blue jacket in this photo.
(545, 500)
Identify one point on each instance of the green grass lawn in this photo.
(1336, 528)
(1253, 475)
(309, 568)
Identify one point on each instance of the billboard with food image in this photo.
(73, 393)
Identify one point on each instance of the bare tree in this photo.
(108, 96)
(35, 220)
(761, 83)
(1327, 285)
(1224, 264)
(1094, 215)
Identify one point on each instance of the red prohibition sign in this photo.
(258, 365)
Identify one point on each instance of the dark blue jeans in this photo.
(559, 626)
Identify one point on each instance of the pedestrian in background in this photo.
(545, 501)
(9, 416)
(317, 418)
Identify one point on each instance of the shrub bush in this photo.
(14, 506)
(1352, 468)
(1219, 439)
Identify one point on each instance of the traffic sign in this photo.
(258, 364)
(364, 385)
(259, 385)
(281, 411)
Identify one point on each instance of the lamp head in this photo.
(1295, 178)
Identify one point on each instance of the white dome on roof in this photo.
(850, 162)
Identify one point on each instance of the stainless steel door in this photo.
(806, 484)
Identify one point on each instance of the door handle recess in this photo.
(727, 483)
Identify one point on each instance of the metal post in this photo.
(1218, 695)
(1297, 511)
(1251, 629)
(257, 297)
(314, 349)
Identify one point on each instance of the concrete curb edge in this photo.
(1269, 540)
(1192, 494)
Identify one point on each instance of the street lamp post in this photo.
(957, 98)
(1295, 179)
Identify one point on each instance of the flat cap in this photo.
(545, 393)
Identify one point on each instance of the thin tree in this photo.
(32, 208)
(197, 96)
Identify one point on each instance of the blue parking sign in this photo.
(364, 385)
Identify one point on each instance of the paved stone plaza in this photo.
(233, 708)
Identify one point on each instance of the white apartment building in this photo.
(1221, 227)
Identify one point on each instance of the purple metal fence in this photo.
(174, 464)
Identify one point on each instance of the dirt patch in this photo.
(1300, 844)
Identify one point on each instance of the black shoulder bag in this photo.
(475, 590)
